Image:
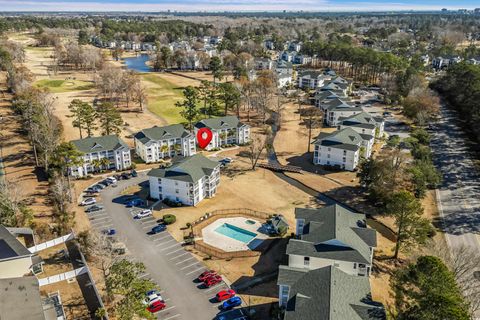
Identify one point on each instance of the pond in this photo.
(138, 63)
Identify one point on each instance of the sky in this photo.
(234, 5)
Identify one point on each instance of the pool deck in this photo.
(225, 243)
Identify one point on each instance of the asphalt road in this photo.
(167, 263)
(459, 194)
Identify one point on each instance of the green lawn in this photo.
(162, 97)
(58, 86)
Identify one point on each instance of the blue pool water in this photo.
(236, 233)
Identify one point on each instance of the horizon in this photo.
(232, 6)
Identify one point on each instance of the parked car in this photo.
(151, 296)
(94, 208)
(111, 180)
(206, 274)
(231, 303)
(225, 295)
(143, 214)
(227, 160)
(100, 186)
(125, 176)
(90, 194)
(105, 183)
(134, 173)
(88, 201)
(91, 190)
(110, 232)
(212, 280)
(156, 306)
(135, 202)
(159, 228)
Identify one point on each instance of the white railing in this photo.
(51, 243)
(62, 276)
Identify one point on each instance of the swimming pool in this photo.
(235, 233)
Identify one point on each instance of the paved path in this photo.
(167, 263)
(459, 195)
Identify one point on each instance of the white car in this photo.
(88, 201)
(151, 296)
(143, 214)
(112, 180)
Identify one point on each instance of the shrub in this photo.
(169, 219)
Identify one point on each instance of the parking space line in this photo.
(169, 253)
(175, 316)
(185, 260)
(181, 254)
(169, 247)
(147, 219)
(165, 242)
(148, 227)
(100, 218)
(169, 308)
(160, 238)
(196, 270)
(215, 287)
(190, 265)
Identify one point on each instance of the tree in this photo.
(61, 198)
(109, 118)
(412, 228)
(124, 280)
(189, 105)
(255, 149)
(216, 68)
(204, 92)
(230, 96)
(13, 211)
(422, 105)
(312, 119)
(426, 290)
(76, 110)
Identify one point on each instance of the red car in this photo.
(225, 295)
(213, 280)
(156, 306)
(206, 274)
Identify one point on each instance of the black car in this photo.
(91, 191)
(125, 176)
(94, 208)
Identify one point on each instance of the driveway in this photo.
(459, 195)
(168, 264)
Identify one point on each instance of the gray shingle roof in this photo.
(98, 144)
(174, 131)
(10, 247)
(20, 299)
(361, 118)
(220, 123)
(328, 294)
(333, 232)
(187, 169)
(347, 139)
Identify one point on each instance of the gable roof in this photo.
(98, 144)
(333, 232)
(341, 104)
(10, 247)
(346, 138)
(187, 169)
(361, 118)
(220, 123)
(174, 131)
(20, 299)
(328, 294)
(311, 74)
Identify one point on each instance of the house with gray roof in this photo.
(342, 148)
(15, 259)
(156, 143)
(225, 131)
(311, 79)
(321, 99)
(94, 149)
(363, 123)
(189, 180)
(329, 263)
(326, 293)
(338, 108)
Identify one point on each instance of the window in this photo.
(306, 261)
(329, 149)
(177, 199)
(328, 155)
(344, 152)
(354, 265)
(176, 183)
(176, 191)
(344, 159)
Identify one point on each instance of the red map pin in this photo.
(204, 136)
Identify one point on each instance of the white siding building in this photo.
(189, 180)
(364, 123)
(96, 148)
(342, 148)
(156, 143)
(311, 79)
(225, 130)
(336, 109)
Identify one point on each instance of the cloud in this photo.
(218, 5)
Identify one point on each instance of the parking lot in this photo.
(167, 262)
